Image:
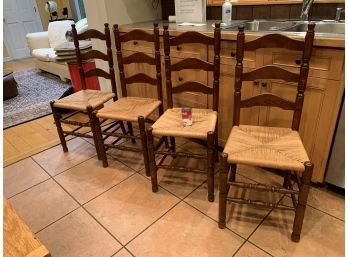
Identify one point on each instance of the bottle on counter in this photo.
(227, 11)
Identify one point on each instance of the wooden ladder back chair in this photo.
(204, 120)
(86, 100)
(133, 109)
(269, 147)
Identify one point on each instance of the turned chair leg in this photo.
(130, 129)
(57, 117)
(152, 161)
(223, 190)
(232, 177)
(210, 166)
(92, 124)
(172, 145)
(100, 140)
(141, 122)
(302, 201)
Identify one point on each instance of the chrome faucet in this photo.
(339, 11)
(306, 6)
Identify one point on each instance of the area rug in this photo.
(35, 91)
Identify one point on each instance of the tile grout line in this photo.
(83, 209)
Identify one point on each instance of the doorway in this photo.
(20, 17)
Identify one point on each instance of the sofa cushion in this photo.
(44, 54)
(57, 30)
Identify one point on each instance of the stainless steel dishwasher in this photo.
(335, 170)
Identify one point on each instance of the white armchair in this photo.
(42, 46)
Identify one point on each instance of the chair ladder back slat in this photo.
(136, 34)
(304, 70)
(78, 57)
(192, 86)
(158, 66)
(274, 41)
(192, 63)
(167, 66)
(267, 99)
(139, 57)
(238, 75)
(91, 33)
(98, 73)
(94, 54)
(216, 71)
(191, 37)
(271, 72)
(120, 60)
(140, 78)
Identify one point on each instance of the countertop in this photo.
(320, 40)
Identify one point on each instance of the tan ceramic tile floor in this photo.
(78, 208)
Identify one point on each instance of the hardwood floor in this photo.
(32, 137)
(20, 65)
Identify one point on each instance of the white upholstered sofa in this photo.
(42, 46)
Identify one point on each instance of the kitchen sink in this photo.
(269, 25)
(320, 27)
(290, 26)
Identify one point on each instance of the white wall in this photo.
(116, 12)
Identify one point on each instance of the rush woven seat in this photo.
(132, 108)
(272, 147)
(170, 124)
(129, 108)
(269, 147)
(84, 102)
(82, 99)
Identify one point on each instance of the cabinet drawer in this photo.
(139, 46)
(324, 63)
(252, 59)
(189, 50)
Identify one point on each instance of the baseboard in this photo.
(6, 59)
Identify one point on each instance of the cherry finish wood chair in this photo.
(86, 100)
(133, 109)
(204, 125)
(269, 147)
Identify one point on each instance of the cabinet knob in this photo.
(135, 43)
(256, 83)
(180, 79)
(178, 48)
(264, 84)
(298, 62)
(233, 54)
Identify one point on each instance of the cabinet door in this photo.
(248, 116)
(317, 121)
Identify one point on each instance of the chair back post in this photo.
(110, 60)
(120, 60)
(78, 56)
(216, 83)
(238, 75)
(167, 66)
(158, 66)
(302, 84)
